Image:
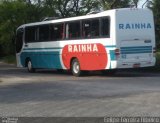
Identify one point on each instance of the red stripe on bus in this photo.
(90, 56)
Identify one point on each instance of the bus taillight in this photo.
(117, 53)
(154, 51)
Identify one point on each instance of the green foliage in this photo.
(158, 58)
(8, 24)
(11, 59)
(155, 6)
(112, 4)
(13, 14)
(68, 8)
(135, 2)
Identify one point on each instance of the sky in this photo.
(141, 2)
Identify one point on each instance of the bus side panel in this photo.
(42, 59)
(91, 56)
(113, 38)
(135, 38)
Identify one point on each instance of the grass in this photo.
(11, 59)
(158, 58)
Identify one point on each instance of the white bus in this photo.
(109, 40)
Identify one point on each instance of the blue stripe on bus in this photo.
(49, 48)
(139, 47)
(111, 52)
(110, 46)
(112, 55)
(42, 59)
(136, 50)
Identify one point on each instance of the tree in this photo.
(10, 17)
(154, 5)
(112, 4)
(13, 14)
(135, 3)
(69, 8)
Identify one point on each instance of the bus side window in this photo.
(67, 31)
(95, 28)
(44, 33)
(30, 34)
(90, 28)
(105, 26)
(86, 28)
(73, 30)
(56, 32)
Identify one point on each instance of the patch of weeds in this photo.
(10, 59)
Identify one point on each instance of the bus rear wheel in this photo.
(75, 68)
(30, 67)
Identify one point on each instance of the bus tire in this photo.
(75, 68)
(30, 67)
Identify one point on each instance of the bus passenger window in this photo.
(91, 28)
(105, 26)
(44, 33)
(73, 30)
(56, 32)
(30, 34)
(86, 28)
(95, 28)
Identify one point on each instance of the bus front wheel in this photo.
(75, 67)
(30, 67)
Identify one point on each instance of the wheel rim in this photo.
(76, 67)
(29, 66)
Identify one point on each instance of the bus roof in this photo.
(100, 14)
